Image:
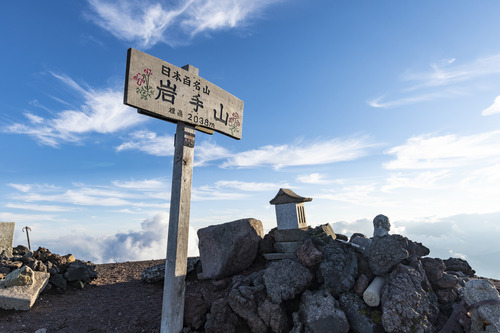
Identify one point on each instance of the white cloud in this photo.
(145, 184)
(149, 143)
(442, 74)
(40, 208)
(489, 174)
(446, 79)
(380, 102)
(208, 151)
(34, 119)
(315, 153)
(206, 193)
(148, 243)
(102, 112)
(362, 194)
(425, 180)
(315, 178)
(221, 14)
(21, 187)
(147, 193)
(248, 186)
(446, 151)
(461, 236)
(150, 22)
(27, 218)
(493, 109)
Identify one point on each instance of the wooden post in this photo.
(172, 314)
(194, 104)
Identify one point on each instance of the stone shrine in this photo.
(290, 209)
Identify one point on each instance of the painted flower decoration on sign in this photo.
(144, 89)
(234, 123)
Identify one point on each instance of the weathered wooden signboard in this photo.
(162, 90)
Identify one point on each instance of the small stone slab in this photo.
(287, 247)
(290, 235)
(279, 256)
(6, 235)
(23, 297)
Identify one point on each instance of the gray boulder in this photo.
(363, 243)
(274, 316)
(434, 268)
(308, 254)
(58, 281)
(406, 306)
(446, 296)
(488, 311)
(319, 312)
(229, 248)
(387, 252)
(459, 265)
(244, 297)
(339, 268)
(221, 318)
(156, 273)
(23, 276)
(358, 314)
(447, 281)
(80, 271)
(284, 279)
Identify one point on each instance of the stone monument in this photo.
(381, 226)
(6, 236)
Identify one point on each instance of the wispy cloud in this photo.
(40, 208)
(493, 109)
(249, 186)
(351, 193)
(149, 143)
(150, 22)
(102, 112)
(28, 218)
(445, 79)
(424, 180)
(148, 193)
(208, 151)
(315, 153)
(446, 151)
(208, 192)
(232, 190)
(316, 178)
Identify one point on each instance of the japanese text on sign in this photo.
(168, 92)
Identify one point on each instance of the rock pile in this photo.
(64, 270)
(384, 283)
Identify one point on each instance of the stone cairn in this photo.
(329, 283)
(64, 270)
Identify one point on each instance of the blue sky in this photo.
(386, 107)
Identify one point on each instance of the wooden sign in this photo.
(162, 90)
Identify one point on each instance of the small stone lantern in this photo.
(290, 209)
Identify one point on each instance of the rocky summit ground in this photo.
(117, 301)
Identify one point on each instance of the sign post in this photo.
(179, 95)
